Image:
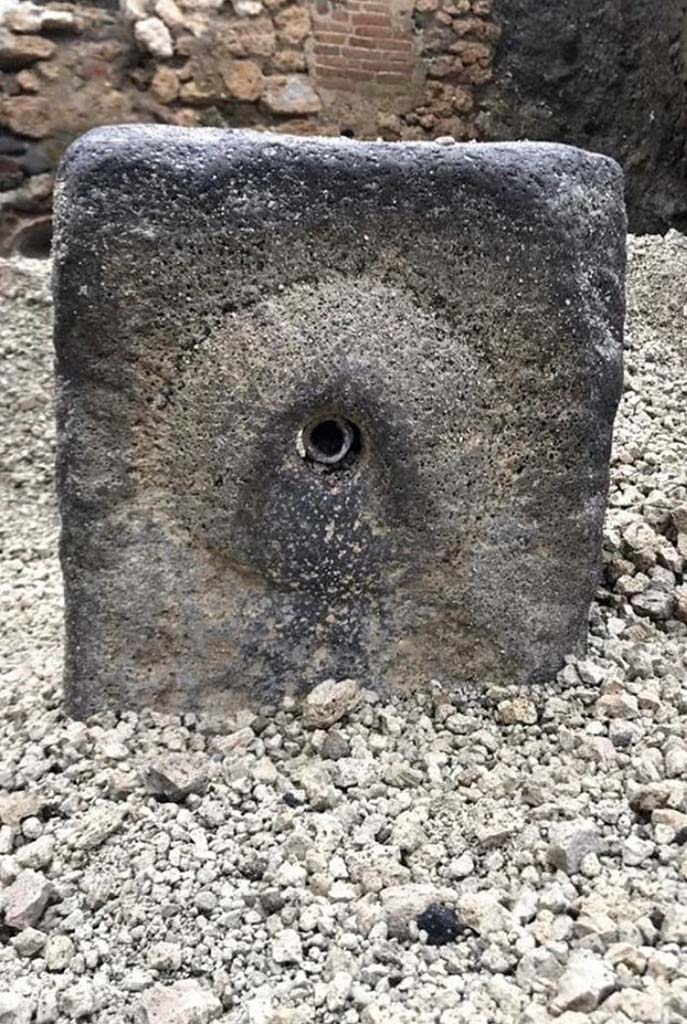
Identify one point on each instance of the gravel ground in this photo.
(498, 856)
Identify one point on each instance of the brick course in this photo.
(369, 43)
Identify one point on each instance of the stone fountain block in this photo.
(329, 409)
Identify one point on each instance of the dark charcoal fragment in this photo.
(272, 901)
(657, 917)
(293, 800)
(441, 924)
(253, 868)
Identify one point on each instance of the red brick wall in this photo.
(361, 41)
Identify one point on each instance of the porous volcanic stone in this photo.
(452, 313)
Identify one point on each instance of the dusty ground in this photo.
(152, 870)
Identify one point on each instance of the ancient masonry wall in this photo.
(399, 69)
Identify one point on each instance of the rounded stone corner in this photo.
(86, 154)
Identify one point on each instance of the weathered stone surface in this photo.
(59, 949)
(26, 115)
(570, 842)
(289, 60)
(293, 25)
(201, 5)
(37, 854)
(154, 36)
(586, 982)
(329, 702)
(29, 18)
(165, 85)
(244, 80)
(14, 1008)
(465, 345)
(517, 711)
(14, 807)
(28, 942)
(289, 94)
(192, 92)
(164, 956)
(681, 603)
(169, 12)
(286, 947)
(247, 8)
(175, 775)
(26, 899)
(184, 1002)
(254, 37)
(483, 912)
(134, 10)
(97, 825)
(17, 51)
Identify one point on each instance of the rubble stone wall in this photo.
(402, 69)
(605, 74)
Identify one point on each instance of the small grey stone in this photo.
(617, 704)
(136, 980)
(570, 842)
(205, 901)
(656, 604)
(338, 990)
(97, 825)
(623, 733)
(153, 35)
(26, 899)
(77, 1002)
(14, 807)
(164, 956)
(286, 947)
(37, 854)
(517, 711)
(633, 1005)
(14, 1009)
(29, 941)
(176, 775)
(635, 850)
(98, 887)
(7, 837)
(483, 912)
(328, 702)
(539, 971)
(670, 793)
(184, 1002)
(272, 901)
(59, 950)
(335, 746)
(674, 927)
(31, 828)
(676, 758)
(585, 983)
(46, 1006)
